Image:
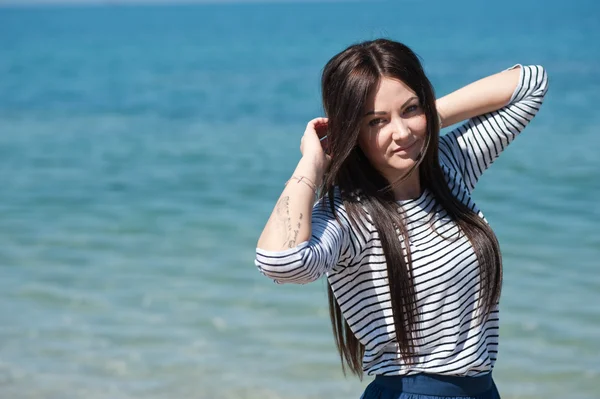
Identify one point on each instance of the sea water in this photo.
(142, 149)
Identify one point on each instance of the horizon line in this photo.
(109, 3)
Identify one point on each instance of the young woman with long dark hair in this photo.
(414, 270)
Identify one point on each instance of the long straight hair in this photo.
(348, 79)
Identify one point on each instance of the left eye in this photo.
(411, 108)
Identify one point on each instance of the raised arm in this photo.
(301, 242)
(478, 98)
(498, 107)
(290, 221)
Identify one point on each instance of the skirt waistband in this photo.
(437, 385)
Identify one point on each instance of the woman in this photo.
(414, 270)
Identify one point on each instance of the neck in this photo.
(409, 188)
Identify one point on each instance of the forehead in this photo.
(389, 91)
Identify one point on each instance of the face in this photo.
(393, 128)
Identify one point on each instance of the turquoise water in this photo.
(142, 149)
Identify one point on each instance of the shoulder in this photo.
(449, 154)
(338, 210)
(331, 207)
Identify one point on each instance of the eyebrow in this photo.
(383, 112)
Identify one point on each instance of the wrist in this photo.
(440, 111)
(317, 162)
(312, 168)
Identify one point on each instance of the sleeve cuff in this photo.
(519, 85)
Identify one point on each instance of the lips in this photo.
(405, 147)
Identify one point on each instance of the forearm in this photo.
(480, 97)
(290, 221)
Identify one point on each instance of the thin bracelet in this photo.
(304, 180)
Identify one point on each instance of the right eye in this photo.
(375, 122)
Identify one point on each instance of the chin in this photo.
(403, 167)
(403, 160)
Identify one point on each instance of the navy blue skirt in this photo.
(431, 386)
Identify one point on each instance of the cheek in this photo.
(418, 125)
(370, 142)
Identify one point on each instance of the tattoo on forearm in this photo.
(282, 210)
(292, 242)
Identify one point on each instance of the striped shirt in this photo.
(451, 339)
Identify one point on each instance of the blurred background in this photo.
(143, 147)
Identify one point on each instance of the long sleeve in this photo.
(471, 148)
(331, 244)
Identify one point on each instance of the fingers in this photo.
(321, 131)
(317, 123)
(319, 126)
(315, 137)
(325, 145)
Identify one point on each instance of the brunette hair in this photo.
(348, 79)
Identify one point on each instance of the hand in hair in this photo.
(290, 222)
(314, 145)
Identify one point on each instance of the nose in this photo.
(401, 130)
